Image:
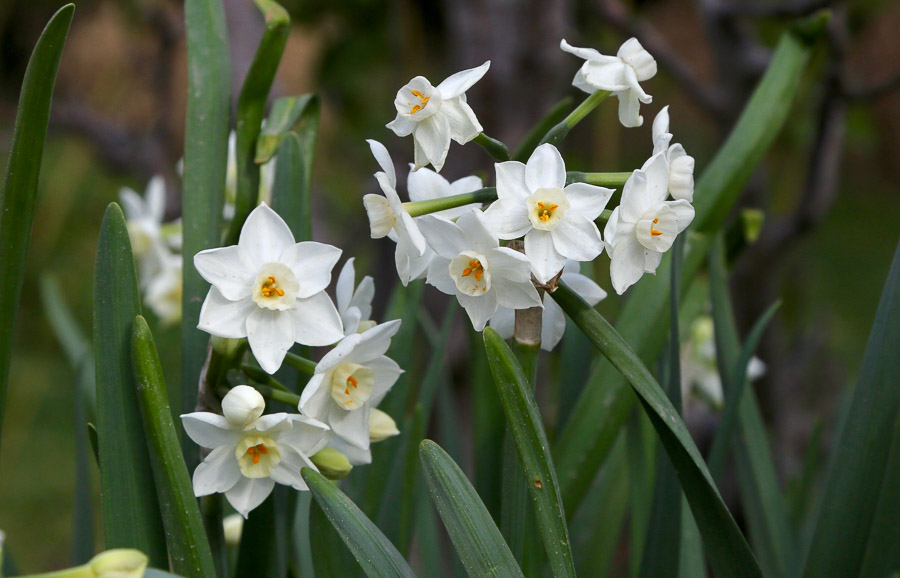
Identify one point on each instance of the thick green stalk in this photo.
(419, 208)
(559, 132)
(612, 180)
(185, 536)
(285, 397)
(494, 147)
(301, 363)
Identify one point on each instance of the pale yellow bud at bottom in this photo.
(381, 426)
(120, 563)
(233, 526)
(332, 464)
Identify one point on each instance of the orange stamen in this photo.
(654, 232)
(352, 381)
(423, 101)
(270, 287)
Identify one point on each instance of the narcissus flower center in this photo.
(275, 287)
(546, 208)
(657, 229)
(351, 385)
(423, 101)
(257, 456)
(471, 273)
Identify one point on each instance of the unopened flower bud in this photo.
(119, 563)
(233, 525)
(753, 220)
(224, 346)
(243, 405)
(332, 464)
(381, 426)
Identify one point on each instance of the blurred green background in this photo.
(830, 189)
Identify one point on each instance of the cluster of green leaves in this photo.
(595, 459)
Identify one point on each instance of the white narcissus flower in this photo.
(620, 74)
(556, 220)
(163, 293)
(350, 380)
(553, 319)
(427, 185)
(436, 114)
(266, 179)
(387, 217)
(471, 264)
(681, 164)
(644, 225)
(354, 302)
(144, 215)
(251, 453)
(381, 427)
(270, 290)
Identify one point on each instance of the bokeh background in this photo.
(830, 189)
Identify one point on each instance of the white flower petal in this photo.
(270, 334)
(458, 83)
(316, 396)
(545, 169)
(402, 126)
(553, 324)
(433, 135)
(287, 472)
(445, 237)
(209, 430)
(509, 264)
(577, 237)
(585, 287)
(508, 218)
(355, 455)
(351, 426)
(605, 75)
(586, 53)
(681, 173)
(248, 493)
(464, 126)
(312, 263)
(652, 259)
(343, 290)
(511, 180)
(132, 203)
(374, 342)
(546, 261)
(155, 196)
(424, 185)
(657, 170)
(661, 135)
(638, 59)
(684, 213)
(362, 297)
(589, 200)
(224, 318)
(629, 109)
(316, 321)
(228, 269)
(383, 158)
(387, 371)
(627, 263)
(306, 434)
(466, 185)
(265, 236)
(504, 322)
(439, 276)
(380, 213)
(480, 309)
(477, 234)
(516, 295)
(609, 232)
(218, 473)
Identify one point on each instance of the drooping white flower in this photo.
(436, 114)
(471, 264)
(350, 380)
(270, 290)
(620, 74)
(381, 427)
(387, 217)
(163, 293)
(556, 220)
(553, 319)
(699, 371)
(681, 164)
(251, 454)
(354, 302)
(644, 225)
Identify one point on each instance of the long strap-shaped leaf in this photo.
(726, 547)
(475, 535)
(131, 517)
(583, 444)
(527, 429)
(185, 535)
(251, 109)
(205, 153)
(21, 179)
(375, 553)
(861, 455)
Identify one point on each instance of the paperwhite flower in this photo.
(270, 290)
(350, 380)
(681, 165)
(163, 293)
(553, 319)
(144, 215)
(471, 264)
(644, 225)
(436, 114)
(266, 179)
(619, 74)
(699, 371)
(387, 217)
(250, 453)
(557, 220)
(381, 427)
(354, 303)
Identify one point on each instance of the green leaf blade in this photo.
(131, 516)
(474, 534)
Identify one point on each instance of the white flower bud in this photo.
(381, 426)
(119, 563)
(243, 405)
(233, 525)
(332, 464)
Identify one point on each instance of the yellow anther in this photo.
(475, 267)
(423, 101)
(352, 381)
(270, 288)
(545, 212)
(255, 452)
(654, 232)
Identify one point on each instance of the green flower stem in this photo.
(603, 218)
(261, 376)
(537, 132)
(419, 208)
(559, 132)
(285, 397)
(613, 180)
(494, 147)
(304, 365)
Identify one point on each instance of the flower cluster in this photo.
(497, 259)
